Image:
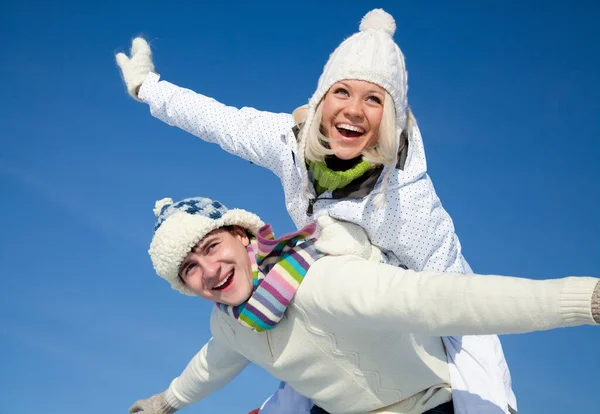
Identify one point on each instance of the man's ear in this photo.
(240, 232)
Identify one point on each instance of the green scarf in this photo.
(328, 179)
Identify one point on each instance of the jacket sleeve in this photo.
(418, 230)
(371, 294)
(212, 368)
(256, 136)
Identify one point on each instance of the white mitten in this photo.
(135, 68)
(338, 238)
(157, 404)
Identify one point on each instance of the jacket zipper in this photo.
(312, 202)
(309, 209)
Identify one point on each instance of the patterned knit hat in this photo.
(370, 55)
(180, 226)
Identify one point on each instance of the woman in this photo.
(354, 335)
(355, 153)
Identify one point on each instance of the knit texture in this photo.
(136, 67)
(157, 404)
(596, 303)
(278, 268)
(370, 55)
(328, 179)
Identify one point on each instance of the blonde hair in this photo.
(385, 148)
(391, 138)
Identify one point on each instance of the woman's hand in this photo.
(135, 68)
(338, 238)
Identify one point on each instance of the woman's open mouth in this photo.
(226, 282)
(349, 131)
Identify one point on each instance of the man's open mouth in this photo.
(225, 283)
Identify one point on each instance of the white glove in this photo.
(135, 69)
(157, 404)
(339, 238)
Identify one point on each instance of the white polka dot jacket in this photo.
(413, 229)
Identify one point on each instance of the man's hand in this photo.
(135, 68)
(157, 404)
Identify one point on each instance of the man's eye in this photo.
(188, 270)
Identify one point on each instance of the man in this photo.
(338, 329)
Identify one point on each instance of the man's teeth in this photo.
(224, 281)
(350, 128)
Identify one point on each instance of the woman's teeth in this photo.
(349, 131)
(349, 127)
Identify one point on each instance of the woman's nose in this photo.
(353, 109)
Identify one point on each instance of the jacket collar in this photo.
(363, 185)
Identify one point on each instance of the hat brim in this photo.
(177, 235)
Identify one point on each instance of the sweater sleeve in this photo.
(370, 294)
(256, 136)
(212, 368)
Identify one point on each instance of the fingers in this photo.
(136, 407)
(140, 46)
(122, 59)
(325, 221)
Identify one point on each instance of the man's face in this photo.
(218, 267)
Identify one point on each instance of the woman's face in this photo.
(352, 112)
(218, 267)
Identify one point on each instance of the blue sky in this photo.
(506, 96)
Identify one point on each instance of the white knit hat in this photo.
(180, 226)
(370, 55)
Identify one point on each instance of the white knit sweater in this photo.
(361, 336)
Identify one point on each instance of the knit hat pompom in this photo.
(158, 206)
(378, 19)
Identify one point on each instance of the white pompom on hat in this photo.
(181, 225)
(378, 19)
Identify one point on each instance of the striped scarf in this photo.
(278, 268)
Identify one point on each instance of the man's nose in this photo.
(211, 270)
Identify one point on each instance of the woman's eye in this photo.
(375, 99)
(341, 91)
(211, 247)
